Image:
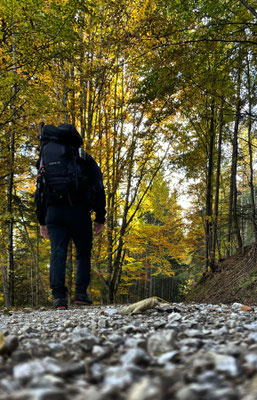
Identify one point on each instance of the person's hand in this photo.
(98, 228)
(43, 232)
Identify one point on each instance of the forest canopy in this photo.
(163, 93)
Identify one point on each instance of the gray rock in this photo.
(210, 378)
(225, 364)
(9, 385)
(159, 323)
(56, 346)
(135, 356)
(192, 333)
(135, 326)
(251, 327)
(222, 331)
(171, 356)
(103, 323)
(118, 377)
(98, 350)
(33, 368)
(236, 306)
(190, 344)
(174, 317)
(84, 337)
(252, 337)
(116, 338)
(110, 311)
(251, 361)
(161, 341)
(97, 371)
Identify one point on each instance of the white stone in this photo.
(118, 377)
(174, 317)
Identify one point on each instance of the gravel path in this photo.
(180, 352)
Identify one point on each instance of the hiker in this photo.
(68, 189)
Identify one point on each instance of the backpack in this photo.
(62, 176)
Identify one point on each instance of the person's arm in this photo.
(98, 196)
(41, 209)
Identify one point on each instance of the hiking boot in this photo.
(61, 303)
(82, 299)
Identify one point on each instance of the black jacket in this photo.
(97, 187)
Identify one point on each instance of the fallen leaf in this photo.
(246, 308)
(141, 306)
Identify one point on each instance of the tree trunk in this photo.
(233, 217)
(57, 92)
(251, 178)
(217, 190)
(208, 220)
(10, 259)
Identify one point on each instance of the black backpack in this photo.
(62, 177)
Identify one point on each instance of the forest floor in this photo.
(234, 281)
(177, 351)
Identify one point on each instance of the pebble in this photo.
(135, 356)
(118, 377)
(174, 317)
(161, 341)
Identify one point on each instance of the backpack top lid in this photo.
(64, 133)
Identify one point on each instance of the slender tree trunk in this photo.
(208, 221)
(217, 190)
(150, 281)
(251, 178)
(10, 258)
(10, 261)
(82, 91)
(235, 213)
(32, 252)
(65, 76)
(57, 91)
(233, 217)
(73, 102)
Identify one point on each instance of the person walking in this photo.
(68, 188)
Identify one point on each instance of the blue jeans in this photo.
(63, 224)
